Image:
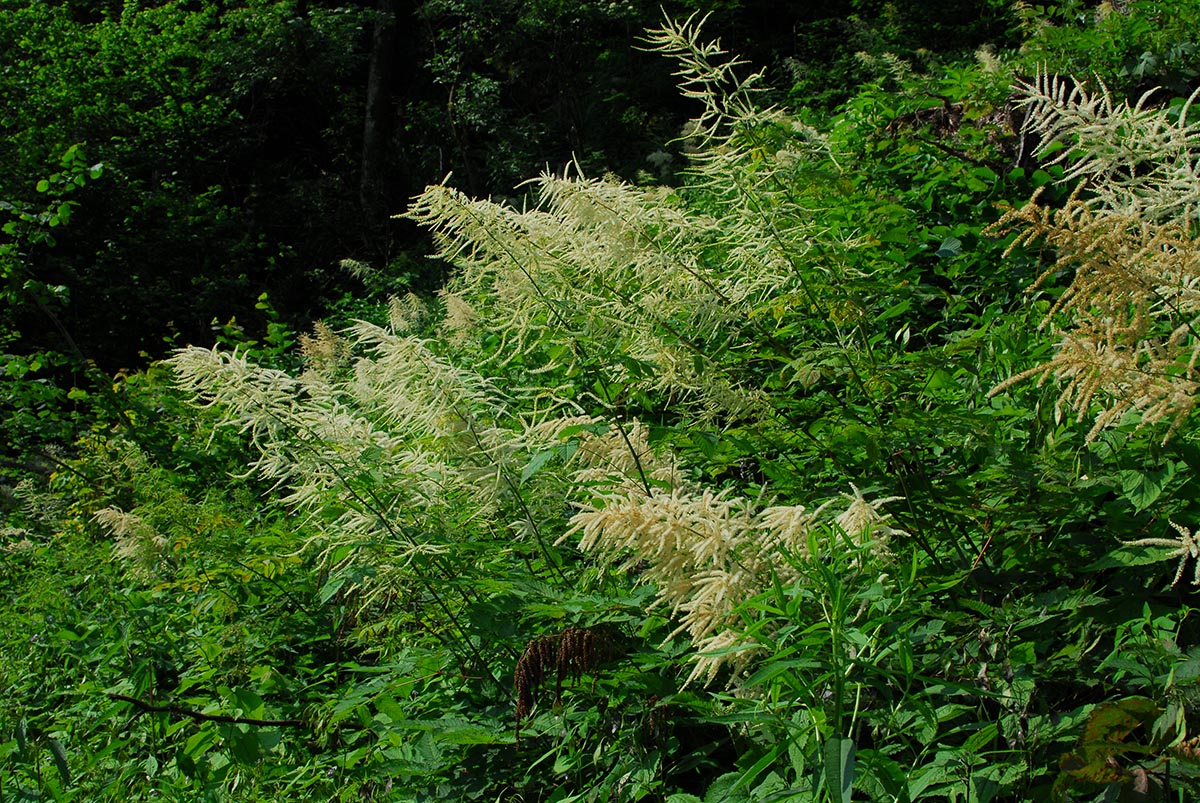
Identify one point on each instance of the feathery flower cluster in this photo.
(1129, 318)
(621, 458)
(137, 544)
(707, 552)
(1137, 161)
(599, 269)
(1186, 547)
(399, 441)
(460, 318)
(406, 313)
(324, 351)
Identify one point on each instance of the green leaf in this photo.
(250, 704)
(839, 768)
(201, 742)
(43, 186)
(777, 668)
(185, 763)
(726, 789)
(1130, 555)
(269, 739)
(980, 739)
(535, 465)
(950, 247)
(983, 789)
(891, 777)
(920, 781)
(894, 310)
(333, 586)
(1141, 488)
(243, 744)
(60, 759)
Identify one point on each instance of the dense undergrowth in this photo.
(745, 489)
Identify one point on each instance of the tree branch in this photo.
(144, 707)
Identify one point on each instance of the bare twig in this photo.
(145, 707)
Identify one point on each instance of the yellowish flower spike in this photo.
(1128, 322)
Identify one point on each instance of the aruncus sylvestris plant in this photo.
(398, 456)
(1128, 318)
(717, 461)
(731, 394)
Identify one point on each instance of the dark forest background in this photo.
(249, 148)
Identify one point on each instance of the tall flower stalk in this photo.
(1127, 322)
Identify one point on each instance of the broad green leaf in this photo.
(950, 247)
(1141, 488)
(896, 309)
(726, 789)
(201, 742)
(332, 587)
(250, 704)
(536, 463)
(185, 763)
(980, 739)
(243, 743)
(839, 768)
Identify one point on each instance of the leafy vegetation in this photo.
(852, 461)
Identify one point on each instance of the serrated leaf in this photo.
(1129, 555)
(980, 739)
(1188, 671)
(1140, 488)
(1112, 722)
(725, 789)
(919, 782)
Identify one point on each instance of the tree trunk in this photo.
(377, 122)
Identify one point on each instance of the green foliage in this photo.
(35, 401)
(182, 103)
(1132, 47)
(727, 491)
